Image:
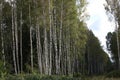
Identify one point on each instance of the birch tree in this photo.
(16, 34)
(39, 47)
(55, 37)
(13, 39)
(2, 33)
(45, 39)
(113, 7)
(21, 54)
(50, 46)
(31, 41)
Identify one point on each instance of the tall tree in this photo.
(31, 41)
(21, 22)
(55, 36)
(60, 34)
(16, 33)
(45, 38)
(50, 45)
(2, 35)
(13, 39)
(113, 7)
(39, 47)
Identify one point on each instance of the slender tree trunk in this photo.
(50, 46)
(55, 38)
(38, 41)
(21, 40)
(13, 39)
(2, 38)
(68, 57)
(31, 45)
(88, 65)
(118, 45)
(72, 56)
(65, 54)
(60, 36)
(39, 49)
(46, 51)
(16, 35)
(45, 39)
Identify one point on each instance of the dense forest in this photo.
(113, 38)
(50, 37)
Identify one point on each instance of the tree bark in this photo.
(21, 39)
(60, 36)
(118, 45)
(45, 40)
(39, 50)
(38, 40)
(2, 35)
(13, 39)
(50, 46)
(55, 38)
(31, 45)
(16, 35)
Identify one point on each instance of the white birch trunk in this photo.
(21, 40)
(16, 35)
(31, 45)
(60, 36)
(55, 39)
(39, 50)
(38, 42)
(50, 46)
(45, 39)
(118, 45)
(13, 39)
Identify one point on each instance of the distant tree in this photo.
(112, 48)
(96, 57)
(113, 8)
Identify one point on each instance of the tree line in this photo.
(113, 38)
(48, 37)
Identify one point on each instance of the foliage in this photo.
(3, 71)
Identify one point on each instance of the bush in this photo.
(113, 74)
(3, 71)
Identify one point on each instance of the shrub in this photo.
(3, 71)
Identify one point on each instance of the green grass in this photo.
(40, 77)
(43, 77)
(101, 78)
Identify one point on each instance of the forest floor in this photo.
(101, 78)
(38, 77)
